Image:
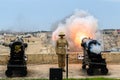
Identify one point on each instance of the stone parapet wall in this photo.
(113, 58)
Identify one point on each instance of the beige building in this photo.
(111, 39)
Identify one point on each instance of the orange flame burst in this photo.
(78, 35)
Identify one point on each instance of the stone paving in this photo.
(75, 71)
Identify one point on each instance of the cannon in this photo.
(92, 58)
(17, 62)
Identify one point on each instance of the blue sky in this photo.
(32, 15)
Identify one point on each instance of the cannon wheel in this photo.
(90, 71)
(23, 71)
(104, 71)
(8, 73)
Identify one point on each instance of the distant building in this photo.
(111, 39)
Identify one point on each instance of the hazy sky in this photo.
(28, 15)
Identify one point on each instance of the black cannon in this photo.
(92, 57)
(17, 61)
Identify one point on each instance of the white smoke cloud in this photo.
(80, 24)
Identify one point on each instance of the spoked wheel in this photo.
(8, 73)
(104, 71)
(90, 71)
(23, 73)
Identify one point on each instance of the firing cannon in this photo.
(92, 57)
(17, 61)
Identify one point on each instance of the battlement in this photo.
(112, 58)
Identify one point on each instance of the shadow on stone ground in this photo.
(75, 71)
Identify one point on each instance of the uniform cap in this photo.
(61, 34)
